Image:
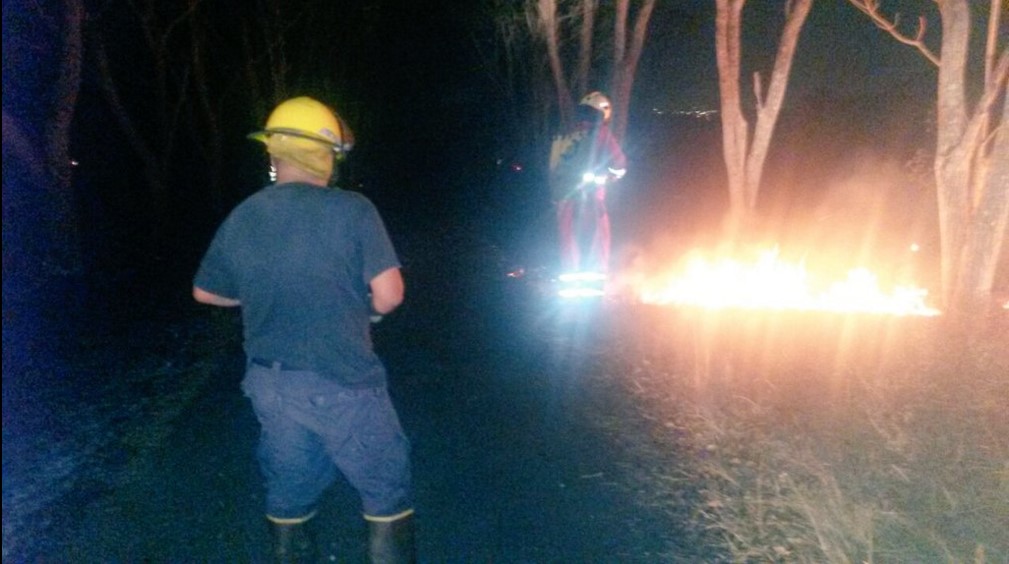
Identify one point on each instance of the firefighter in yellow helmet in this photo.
(307, 134)
(311, 266)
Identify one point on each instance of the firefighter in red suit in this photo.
(582, 163)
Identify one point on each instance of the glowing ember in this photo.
(770, 283)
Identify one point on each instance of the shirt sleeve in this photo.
(215, 274)
(377, 251)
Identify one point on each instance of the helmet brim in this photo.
(261, 136)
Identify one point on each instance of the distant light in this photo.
(915, 247)
(705, 114)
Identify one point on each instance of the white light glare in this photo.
(582, 277)
(580, 293)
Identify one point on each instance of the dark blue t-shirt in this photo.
(300, 259)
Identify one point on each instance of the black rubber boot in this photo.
(293, 543)
(392, 542)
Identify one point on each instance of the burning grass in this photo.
(826, 438)
(766, 280)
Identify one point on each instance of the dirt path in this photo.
(504, 406)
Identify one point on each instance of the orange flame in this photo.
(771, 283)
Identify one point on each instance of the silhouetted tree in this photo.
(972, 152)
(45, 152)
(151, 115)
(603, 59)
(745, 150)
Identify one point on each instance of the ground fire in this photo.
(770, 282)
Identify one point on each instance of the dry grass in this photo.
(826, 439)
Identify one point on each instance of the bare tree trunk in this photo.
(734, 125)
(988, 229)
(953, 158)
(585, 45)
(539, 80)
(626, 68)
(990, 176)
(66, 224)
(745, 157)
(619, 41)
(212, 136)
(989, 200)
(276, 51)
(768, 110)
(548, 21)
(970, 162)
(991, 49)
(971, 201)
(519, 71)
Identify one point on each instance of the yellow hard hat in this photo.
(307, 118)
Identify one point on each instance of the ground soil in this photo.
(530, 441)
(510, 414)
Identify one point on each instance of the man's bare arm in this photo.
(387, 291)
(205, 297)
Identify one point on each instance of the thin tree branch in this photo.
(179, 20)
(992, 43)
(994, 89)
(620, 32)
(871, 9)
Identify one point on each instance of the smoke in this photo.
(873, 211)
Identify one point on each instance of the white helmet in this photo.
(600, 102)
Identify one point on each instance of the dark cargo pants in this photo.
(313, 427)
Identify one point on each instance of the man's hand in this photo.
(209, 298)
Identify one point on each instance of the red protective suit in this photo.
(581, 164)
